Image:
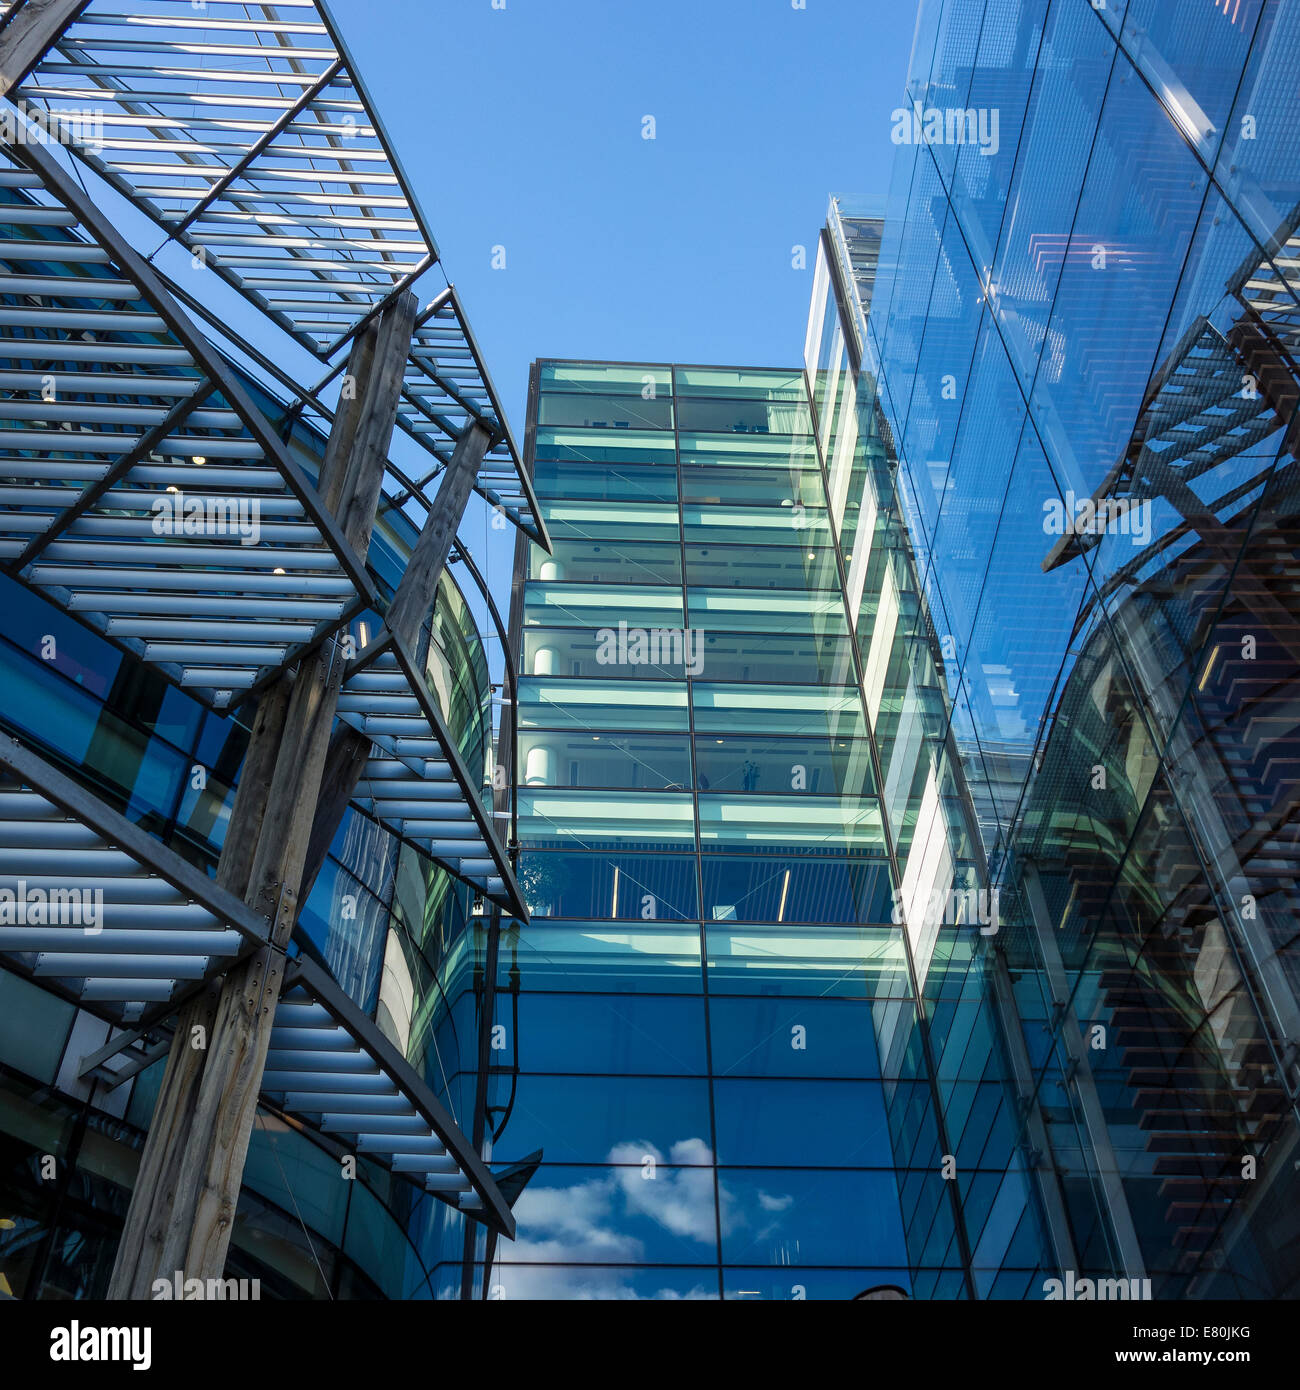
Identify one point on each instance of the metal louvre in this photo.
(282, 181)
(245, 133)
(135, 927)
(446, 388)
(330, 1067)
(138, 488)
(416, 781)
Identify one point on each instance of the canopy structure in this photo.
(414, 778)
(245, 132)
(329, 1066)
(139, 487)
(117, 922)
(100, 910)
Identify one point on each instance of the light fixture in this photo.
(200, 459)
(785, 888)
(613, 909)
(277, 570)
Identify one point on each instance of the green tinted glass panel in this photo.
(583, 605)
(605, 446)
(744, 417)
(608, 380)
(761, 821)
(767, 610)
(752, 385)
(655, 762)
(569, 478)
(606, 412)
(711, 479)
(594, 654)
(761, 566)
(642, 957)
(626, 521)
(771, 766)
(607, 562)
(776, 522)
(785, 656)
(599, 705)
(589, 817)
(779, 709)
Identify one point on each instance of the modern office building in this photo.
(231, 476)
(1081, 335)
(883, 875)
(1041, 469)
(714, 1036)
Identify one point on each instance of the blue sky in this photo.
(522, 128)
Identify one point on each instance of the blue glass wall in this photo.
(1083, 338)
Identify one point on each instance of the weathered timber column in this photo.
(184, 1201)
(28, 35)
(155, 1186)
(350, 750)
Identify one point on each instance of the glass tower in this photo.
(710, 1024)
(1082, 339)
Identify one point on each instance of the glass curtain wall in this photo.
(716, 1045)
(1083, 335)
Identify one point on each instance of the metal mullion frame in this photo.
(345, 65)
(469, 791)
(688, 680)
(296, 653)
(411, 490)
(163, 21)
(512, 682)
(496, 1211)
(92, 495)
(381, 133)
(369, 655)
(543, 536)
(426, 262)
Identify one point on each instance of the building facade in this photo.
(714, 1034)
(1081, 336)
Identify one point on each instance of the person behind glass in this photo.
(749, 776)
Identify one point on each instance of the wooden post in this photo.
(27, 36)
(183, 1206)
(350, 750)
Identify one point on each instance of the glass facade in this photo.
(1081, 340)
(711, 1022)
